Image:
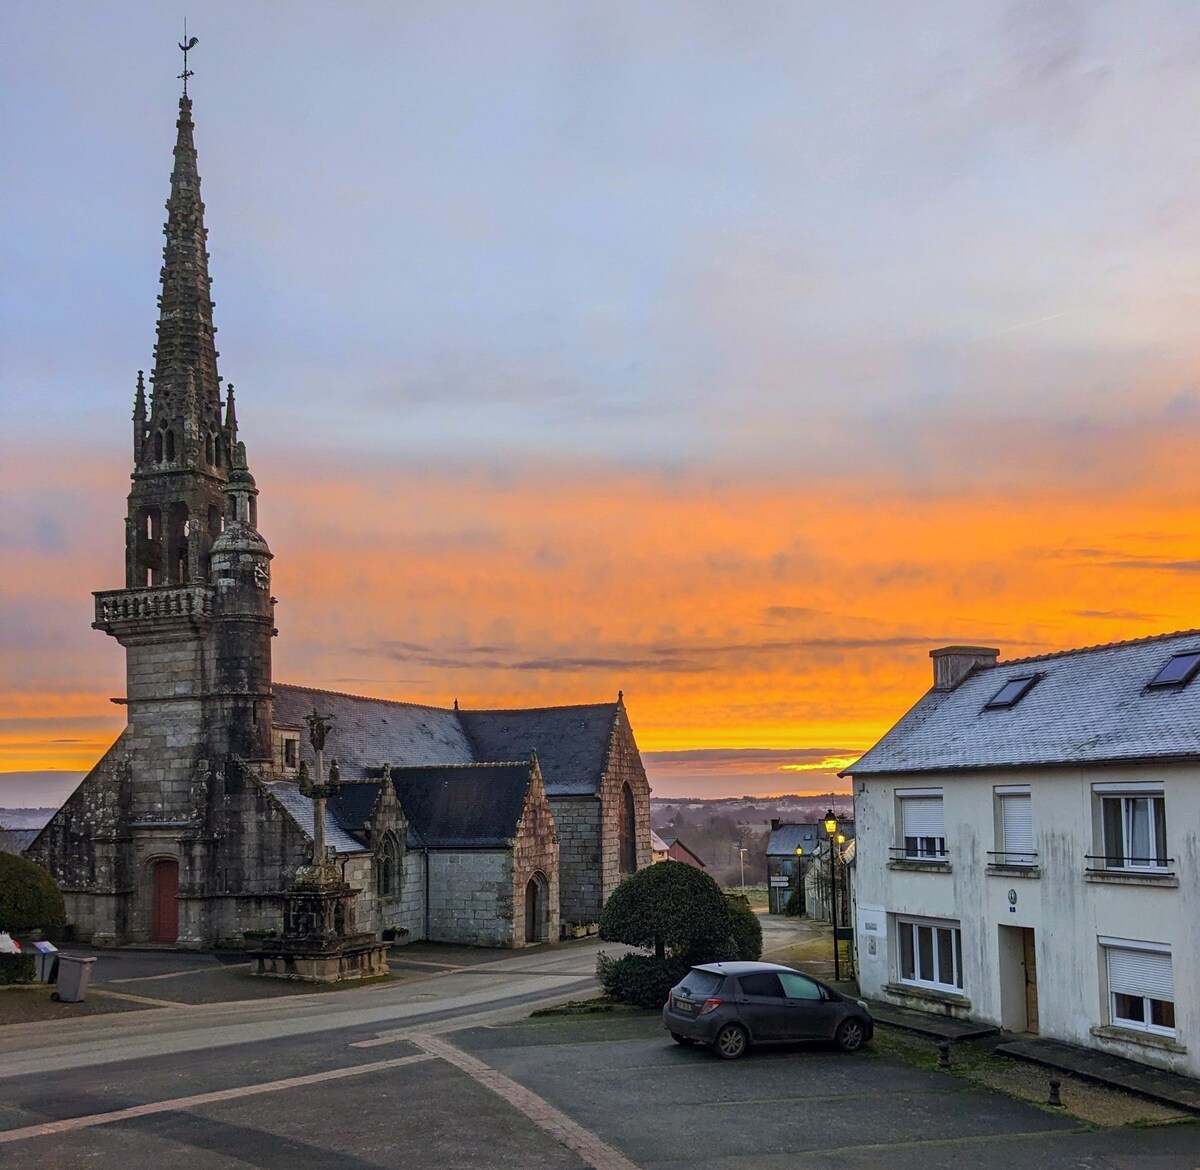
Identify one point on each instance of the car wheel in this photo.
(850, 1035)
(730, 1042)
(684, 1040)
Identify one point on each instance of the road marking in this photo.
(104, 991)
(178, 974)
(594, 1151)
(46, 1129)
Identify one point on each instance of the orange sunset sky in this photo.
(732, 361)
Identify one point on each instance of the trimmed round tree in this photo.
(747, 929)
(29, 899)
(671, 909)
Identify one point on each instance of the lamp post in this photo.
(742, 863)
(831, 828)
(800, 907)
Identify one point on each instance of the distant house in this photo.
(785, 867)
(659, 849)
(1027, 847)
(678, 851)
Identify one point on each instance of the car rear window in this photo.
(701, 983)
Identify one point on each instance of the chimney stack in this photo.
(774, 824)
(951, 664)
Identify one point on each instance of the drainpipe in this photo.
(425, 850)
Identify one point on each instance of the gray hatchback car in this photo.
(732, 1005)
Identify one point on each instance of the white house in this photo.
(1028, 849)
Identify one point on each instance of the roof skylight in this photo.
(1178, 670)
(1011, 693)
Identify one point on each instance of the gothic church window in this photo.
(627, 832)
(387, 867)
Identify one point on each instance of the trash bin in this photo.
(74, 973)
(46, 956)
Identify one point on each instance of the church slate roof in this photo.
(300, 809)
(571, 742)
(471, 806)
(368, 733)
(1091, 705)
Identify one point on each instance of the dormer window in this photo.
(1011, 693)
(291, 752)
(1178, 671)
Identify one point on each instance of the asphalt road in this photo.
(448, 1072)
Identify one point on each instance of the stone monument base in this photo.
(319, 943)
(318, 960)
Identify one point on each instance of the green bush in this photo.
(672, 909)
(795, 906)
(17, 969)
(747, 930)
(29, 899)
(640, 980)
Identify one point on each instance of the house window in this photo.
(930, 954)
(291, 753)
(1134, 829)
(1014, 824)
(1141, 986)
(922, 827)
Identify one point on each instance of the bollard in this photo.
(943, 1055)
(1054, 1098)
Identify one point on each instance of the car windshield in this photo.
(697, 984)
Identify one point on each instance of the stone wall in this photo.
(535, 858)
(623, 766)
(577, 820)
(471, 897)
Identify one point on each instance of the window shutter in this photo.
(922, 816)
(1016, 819)
(1141, 973)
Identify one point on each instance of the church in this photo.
(494, 827)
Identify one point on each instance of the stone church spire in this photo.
(185, 348)
(183, 438)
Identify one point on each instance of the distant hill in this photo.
(25, 818)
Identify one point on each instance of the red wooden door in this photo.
(164, 924)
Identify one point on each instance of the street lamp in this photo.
(742, 863)
(799, 881)
(831, 827)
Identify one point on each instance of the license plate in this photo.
(682, 1005)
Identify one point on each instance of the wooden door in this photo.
(164, 923)
(1031, 996)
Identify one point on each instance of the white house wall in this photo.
(1068, 910)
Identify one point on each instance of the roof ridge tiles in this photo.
(529, 710)
(401, 768)
(367, 698)
(1094, 649)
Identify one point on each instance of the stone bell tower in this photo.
(196, 615)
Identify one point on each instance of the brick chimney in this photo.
(774, 824)
(951, 664)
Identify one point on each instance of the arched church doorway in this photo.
(164, 915)
(537, 909)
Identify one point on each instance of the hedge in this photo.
(17, 969)
(641, 980)
(747, 929)
(29, 899)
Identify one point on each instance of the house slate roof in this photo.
(783, 841)
(448, 806)
(1090, 705)
(571, 742)
(300, 809)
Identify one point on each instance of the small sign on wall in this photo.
(872, 931)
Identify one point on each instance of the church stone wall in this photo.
(471, 898)
(623, 766)
(577, 819)
(535, 856)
